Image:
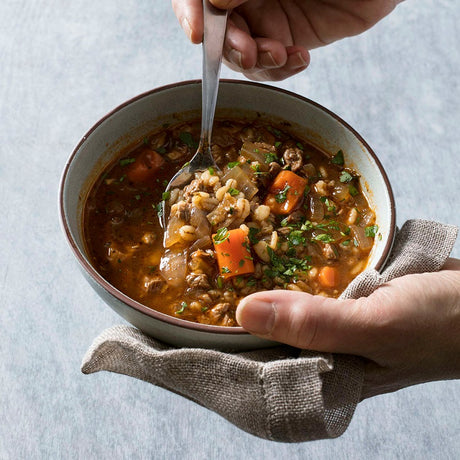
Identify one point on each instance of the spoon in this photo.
(215, 21)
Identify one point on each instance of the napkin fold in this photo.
(282, 393)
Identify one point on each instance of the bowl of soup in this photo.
(297, 201)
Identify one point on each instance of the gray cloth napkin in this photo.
(281, 393)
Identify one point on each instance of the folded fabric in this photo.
(281, 393)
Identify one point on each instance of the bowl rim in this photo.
(236, 330)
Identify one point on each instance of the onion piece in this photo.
(243, 179)
(255, 152)
(172, 235)
(316, 209)
(200, 222)
(173, 266)
(359, 233)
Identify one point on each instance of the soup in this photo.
(277, 214)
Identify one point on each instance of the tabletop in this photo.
(63, 65)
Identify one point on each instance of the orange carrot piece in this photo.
(286, 192)
(328, 276)
(233, 252)
(145, 167)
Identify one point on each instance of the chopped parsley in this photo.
(221, 235)
(345, 177)
(329, 204)
(338, 159)
(252, 235)
(281, 196)
(165, 196)
(233, 191)
(126, 161)
(232, 164)
(225, 270)
(323, 237)
(296, 237)
(270, 157)
(285, 267)
(187, 139)
(353, 190)
(183, 306)
(371, 231)
(211, 170)
(159, 209)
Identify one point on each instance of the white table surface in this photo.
(63, 65)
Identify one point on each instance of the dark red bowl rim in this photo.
(162, 316)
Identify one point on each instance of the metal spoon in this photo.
(215, 22)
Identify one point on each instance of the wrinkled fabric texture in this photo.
(281, 393)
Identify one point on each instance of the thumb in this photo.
(306, 321)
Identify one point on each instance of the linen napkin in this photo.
(281, 393)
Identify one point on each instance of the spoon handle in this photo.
(215, 22)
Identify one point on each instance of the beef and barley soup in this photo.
(279, 214)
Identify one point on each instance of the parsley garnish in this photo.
(371, 231)
(285, 267)
(233, 191)
(345, 176)
(324, 238)
(338, 159)
(221, 235)
(127, 161)
(225, 270)
(165, 196)
(353, 190)
(281, 197)
(232, 164)
(252, 235)
(211, 170)
(270, 157)
(159, 209)
(296, 237)
(183, 306)
(187, 139)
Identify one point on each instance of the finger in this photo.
(306, 321)
(240, 49)
(227, 4)
(452, 264)
(297, 60)
(190, 16)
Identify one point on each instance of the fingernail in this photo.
(257, 316)
(187, 28)
(235, 57)
(297, 60)
(267, 61)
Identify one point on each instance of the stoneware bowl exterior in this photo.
(138, 117)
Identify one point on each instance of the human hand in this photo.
(271, 39)
(408, 329)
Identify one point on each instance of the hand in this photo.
(271, 39)
(408, 329)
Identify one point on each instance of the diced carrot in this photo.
(145, 167)
(286, 192)
(328, 276)
(233, 252)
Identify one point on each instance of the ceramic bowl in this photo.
(138, 117)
